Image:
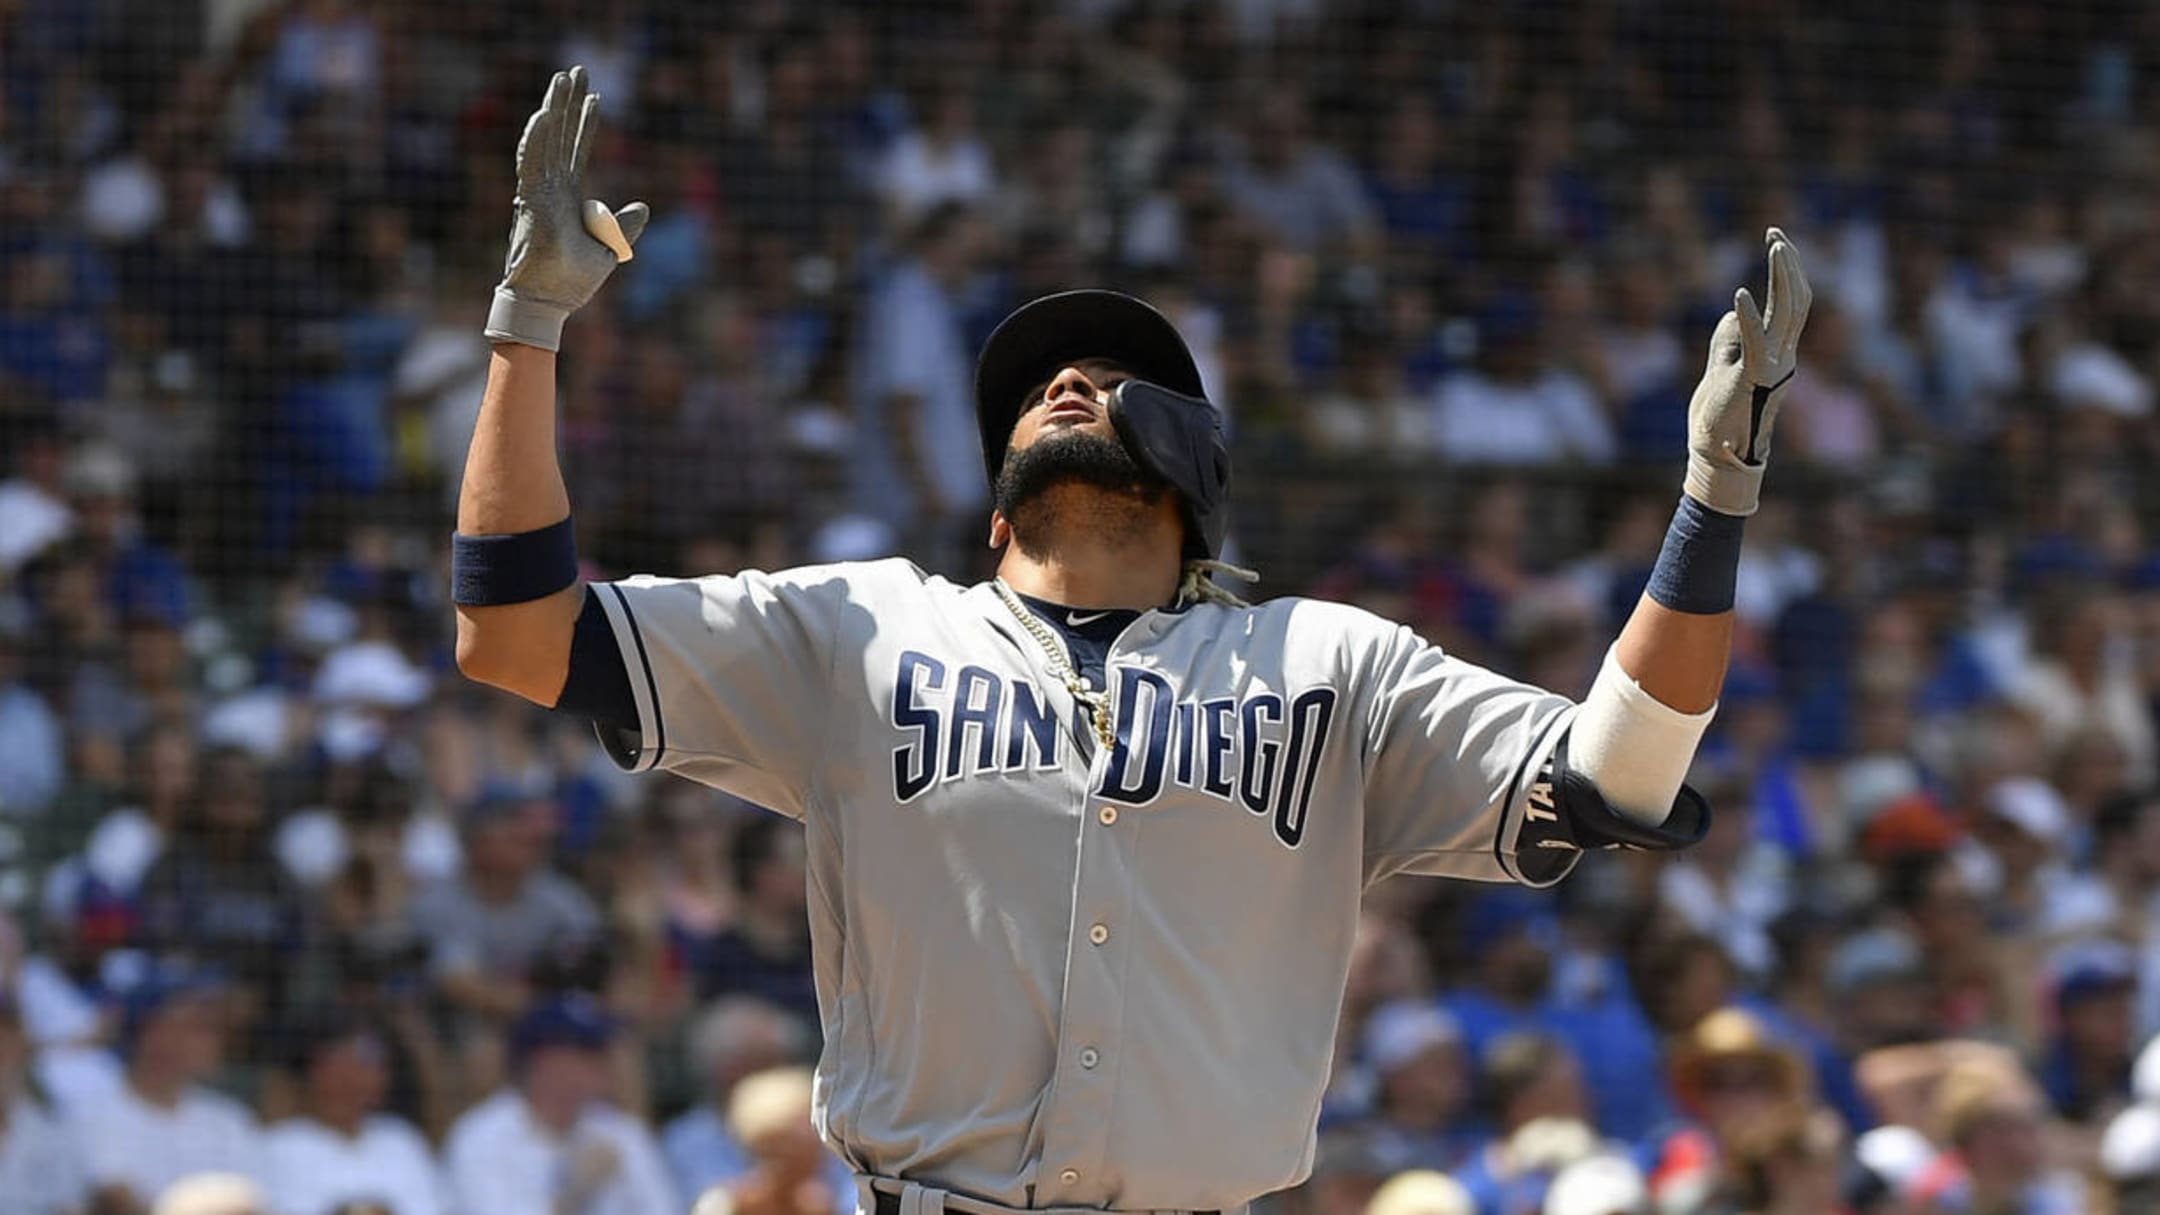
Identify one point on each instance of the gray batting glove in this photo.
(1752, 357)
(556, 262)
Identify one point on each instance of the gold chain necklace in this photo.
(1089, 698)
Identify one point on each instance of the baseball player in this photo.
(1086, 841)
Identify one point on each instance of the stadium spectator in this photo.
(2084, 1062)
(1789, 1165)
(41, 1168)
(1967, 975)
(165, 1123)
(162, 792)
(368, 892)
(766, 952)
(1878, 982)
(1297, 189)
(58, 988)
(2020, 826)
(1992, 1122)
(941, 160)
(1421, 1086)
(1488, 570)
(1606, 582)
(808, 183)
(1644, 367)
(732, 1038)
(769, 1114)
(1387, 966)
(34, 510)
(383, 985)
(341, 1148)
(323, 70)
(219, 897)
(697, 892)
(1841, 419)
(1420, 195)
(1372, 410)
(1733, 886)
(914, 387)
(489, 927)
(1729, 1077)
(1506, 981)
(33, 760)
(550, 1140)
(1524, 1079)
(1058, 203)
(2071, 684)
(1392, 570)
(55, 322)
(139, 577)
(1513, 407)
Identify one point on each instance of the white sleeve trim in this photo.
(1522, 792)
(644, 689)
(1633, 747)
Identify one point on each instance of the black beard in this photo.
(1078, 459)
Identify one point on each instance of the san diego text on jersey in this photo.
(1261, 751)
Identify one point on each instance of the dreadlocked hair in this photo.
(1196, 584)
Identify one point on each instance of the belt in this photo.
(889, 1195)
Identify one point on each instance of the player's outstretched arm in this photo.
(1546, 780)
(514, 570)
(513, 491)
(1637, 730)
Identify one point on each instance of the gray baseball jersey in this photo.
(1051, 974)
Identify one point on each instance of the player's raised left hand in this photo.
(1752, 356)
(562, 246)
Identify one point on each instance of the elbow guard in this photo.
(1567, 815)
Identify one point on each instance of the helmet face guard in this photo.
(1162, 415)
(1180, 439)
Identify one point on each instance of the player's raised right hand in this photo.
(556, 262)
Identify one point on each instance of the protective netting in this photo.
(282, 895)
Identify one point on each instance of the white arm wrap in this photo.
(1633, 748)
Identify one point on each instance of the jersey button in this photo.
(1108, 815)
(1098, 934)
(1088, 1057)
(1069, 1176)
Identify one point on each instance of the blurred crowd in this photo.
(288, 908)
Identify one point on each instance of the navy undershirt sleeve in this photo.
(598, 685)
